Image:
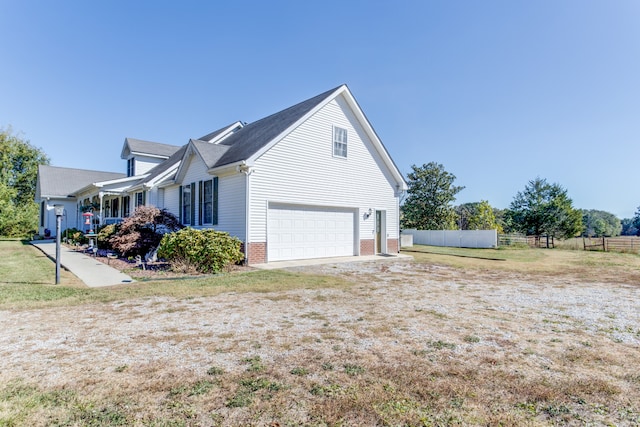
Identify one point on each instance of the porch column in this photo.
(101, 195)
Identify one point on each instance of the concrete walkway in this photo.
(91, 271)
(334, 260)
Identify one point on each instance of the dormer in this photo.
(142, 156)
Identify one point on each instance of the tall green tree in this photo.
(19, 162)
(628, 227)
(430, 195)
(636, 221)
(545, 209)
(600, 223)
(465, 211)
(484, 218)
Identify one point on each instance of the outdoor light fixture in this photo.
(59, 211)
(368, 213)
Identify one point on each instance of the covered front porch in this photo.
(108, 202)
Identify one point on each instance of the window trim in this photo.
(335, 142)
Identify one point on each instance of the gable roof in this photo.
(249, 140)
(64, 182)
(148, 148)
(210, 153)
(252, 140)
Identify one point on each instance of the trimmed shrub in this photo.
(105, 234)
(141, 232)
(73, 236)
(208, 251)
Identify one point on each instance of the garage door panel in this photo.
(309, 232)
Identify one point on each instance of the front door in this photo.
(378, 232)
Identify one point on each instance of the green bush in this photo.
(208, 251)
(73, 236)
(105, 234)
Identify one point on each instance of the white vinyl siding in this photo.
(231, 198)
(301, 169)
(143, 164)
(171, 199)
(232, 205)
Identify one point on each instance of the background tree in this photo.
(465, 211)
(628, 227)
(600, 223)
(544, 208)
(636, 221)
(431, 192)
(484, 218)
(19, 162)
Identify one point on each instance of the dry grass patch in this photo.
(445, 346)
(585, 265)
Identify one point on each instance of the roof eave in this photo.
(155, 156)
(223, 168)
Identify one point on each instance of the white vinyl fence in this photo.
(455, 238)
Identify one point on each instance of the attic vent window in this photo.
(339, 142)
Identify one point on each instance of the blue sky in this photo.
(498, 91)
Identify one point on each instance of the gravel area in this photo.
(393, 307)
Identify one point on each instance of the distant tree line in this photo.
(541, 208)
(19, 162)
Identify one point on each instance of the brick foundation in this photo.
(257, 253)
(367, 247)
(392, 246)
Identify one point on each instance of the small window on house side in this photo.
(139, 201)
(115, 208)
(126, 203)
(186, 205)
(131, 167)
(339, 142)
(207, 202)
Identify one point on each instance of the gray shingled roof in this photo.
(150, 147)
(210, 153)
(62, 182)
(252, 137)
(215, 133)
(164, 166)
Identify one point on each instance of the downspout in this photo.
(400, 194)
(246, 217)
(246, 170)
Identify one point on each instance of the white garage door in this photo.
(296, 232)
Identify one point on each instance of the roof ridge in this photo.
(80, 169)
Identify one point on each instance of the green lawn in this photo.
(27, 280)
(592, 266)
